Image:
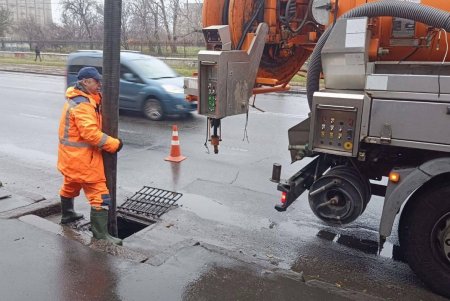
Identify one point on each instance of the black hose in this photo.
(336, 9)
(417, 12)
(249, 24)
(225, 8)
(289, 11)
(304, 21)
(286, 19)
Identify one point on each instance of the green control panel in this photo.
(212, 97)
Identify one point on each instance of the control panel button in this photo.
(349, 134)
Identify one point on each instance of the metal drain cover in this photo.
(148, 204)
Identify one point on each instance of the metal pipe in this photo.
(110, 110)
(278, 88)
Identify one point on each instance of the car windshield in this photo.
(153, 69)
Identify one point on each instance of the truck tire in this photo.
(153, 109)
(424, 234)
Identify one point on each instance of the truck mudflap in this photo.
(297, 184)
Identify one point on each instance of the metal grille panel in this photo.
(148, 204)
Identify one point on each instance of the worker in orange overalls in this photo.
(81, 142)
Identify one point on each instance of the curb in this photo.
(42, 208)
(295, 91)
(33, 71)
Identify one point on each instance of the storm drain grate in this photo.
(148, 204)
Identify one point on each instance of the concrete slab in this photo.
(10, 203)
(32, 196)
(19, 207)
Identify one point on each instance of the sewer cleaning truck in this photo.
(381, 112)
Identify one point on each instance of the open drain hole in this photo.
(144, 208)
(127, 227)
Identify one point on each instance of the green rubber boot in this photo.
(68, 214)
(99, 226)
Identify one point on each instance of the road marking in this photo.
(235, 148)
(128, 131)
(33, 116)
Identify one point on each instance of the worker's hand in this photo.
(120, 145)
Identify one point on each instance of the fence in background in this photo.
(185, 48)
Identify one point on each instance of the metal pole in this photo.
(110, 110)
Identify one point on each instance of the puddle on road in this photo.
(251, 283)
(364, 245)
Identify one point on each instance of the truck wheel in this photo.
(424, 234)
(153, 109)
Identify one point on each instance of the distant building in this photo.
(41, 10)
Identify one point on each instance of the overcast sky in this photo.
(56, 12)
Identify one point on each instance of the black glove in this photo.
(120, 145)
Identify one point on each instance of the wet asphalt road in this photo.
(228, 200)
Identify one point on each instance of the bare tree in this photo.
(5, 20)
(141, 19)
(190, 21)
(154, 8)
(82, 13)
(57, 35)
(146, 18)
(169, 14)
(30, 30)
(175, 10)
(98, 28)
(127, 18)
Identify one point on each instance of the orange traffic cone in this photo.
(175, 152)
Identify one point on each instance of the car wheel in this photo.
(424, 234)
(153, 109)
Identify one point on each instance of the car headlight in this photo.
(173, 89)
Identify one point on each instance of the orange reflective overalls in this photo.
(81, 142)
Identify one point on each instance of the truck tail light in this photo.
(283, 197)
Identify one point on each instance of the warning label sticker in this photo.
(403, 28)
